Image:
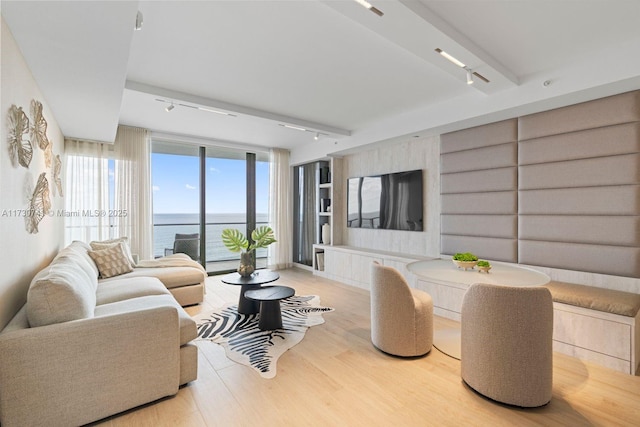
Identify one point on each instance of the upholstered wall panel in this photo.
(599, 171)
(491, 248)
(613, 110)
(619, 200)
(614, 260)
(496, 156)
(479, 136)
(498, 203)
(602, 230)
(478, 187)
(606, 141)
(502, 179)
(504, 226)
(579, 187)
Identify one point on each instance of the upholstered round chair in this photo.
(506, 343)
(401, 317)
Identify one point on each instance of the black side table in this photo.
(269, 298)
(254, 281)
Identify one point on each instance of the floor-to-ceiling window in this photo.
(214, 198)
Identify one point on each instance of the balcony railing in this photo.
(218, 257)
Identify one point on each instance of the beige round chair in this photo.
(401, 317)
(506, 343)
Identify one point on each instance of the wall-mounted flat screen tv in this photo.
(391, 201)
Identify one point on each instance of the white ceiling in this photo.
(329, 66)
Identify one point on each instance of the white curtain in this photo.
(132, 192)
(86, 181)
(108, 190)
(280, 211)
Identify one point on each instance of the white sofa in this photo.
(82, 349)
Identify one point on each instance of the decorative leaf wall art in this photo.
(38, 126)
(57, 167)
(39, 204)
(48, 154)
(20, 151)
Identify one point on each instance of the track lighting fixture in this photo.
(469, 76)
(316, 134)
(139, 21)
(369, 6)
(169, 107)
(470, 72)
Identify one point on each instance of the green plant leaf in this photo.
(234, 240)
(262, 237)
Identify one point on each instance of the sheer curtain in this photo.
(108, 190)
(280, 214)
(132, 192)
(86, 180)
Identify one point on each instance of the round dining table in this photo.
(445, 271)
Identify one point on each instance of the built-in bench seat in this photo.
(597, 324)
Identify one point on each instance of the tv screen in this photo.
(391, 201)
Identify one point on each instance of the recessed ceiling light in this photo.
(294, 127)
(224, 113)
(450, 58)
(369, 6)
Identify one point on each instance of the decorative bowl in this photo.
(484, 269)
(465, 264)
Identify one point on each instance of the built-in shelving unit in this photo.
(329, 207)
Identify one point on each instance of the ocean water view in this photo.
(165, 227)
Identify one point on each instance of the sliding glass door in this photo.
(227, 188)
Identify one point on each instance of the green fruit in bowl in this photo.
(483, 264)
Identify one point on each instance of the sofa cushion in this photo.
(129, 287)
(171, 277)
(82, 250)
(106, 244)
(600, 299)
(59, 293)
(111, 261)
(188, 329)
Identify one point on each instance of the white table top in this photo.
(500, 274)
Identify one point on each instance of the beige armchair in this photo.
(506, 343)
(401, 317)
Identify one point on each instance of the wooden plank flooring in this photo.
(336, 377)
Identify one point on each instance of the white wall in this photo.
(22, 254)
(415, 153)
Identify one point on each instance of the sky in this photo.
(175, 180)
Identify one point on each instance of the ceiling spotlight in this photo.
(369, 6)
(469, 76)
(139, 21)
(317, 136)
(170, 107)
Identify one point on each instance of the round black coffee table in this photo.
(269, 298)
(260, 277)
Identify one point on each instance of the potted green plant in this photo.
(235, 241)
(484, 266)
(465, 260)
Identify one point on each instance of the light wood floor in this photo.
(336, 377)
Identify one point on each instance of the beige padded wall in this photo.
(579, 187)
(478, 187)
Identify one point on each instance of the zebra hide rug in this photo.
(245, 343)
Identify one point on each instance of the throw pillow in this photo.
(105, 244)
(111, 261)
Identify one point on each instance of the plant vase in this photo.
(246, 267)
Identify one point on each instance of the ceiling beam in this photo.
(176, 96)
